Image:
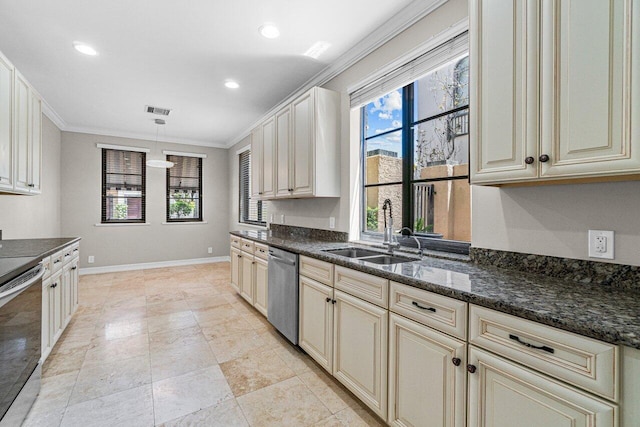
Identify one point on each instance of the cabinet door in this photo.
(55, 307)
(256, 163)
(246, 278)
(303, 146)
(426, 387)
(236, 259)
(261, 281)
(6, 124)
(21, 133)
(268, 158)
(588, 119)
(503, 394)
(284, 147)
(35, 143)
(74, 285)
(315, 333)
(504, 82)
(360, 350)
(46, 343)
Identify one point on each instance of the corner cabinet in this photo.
(20, 133)
(555, 90)
(297, 146)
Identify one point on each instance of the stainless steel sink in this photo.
(353, 252)
(388, 259)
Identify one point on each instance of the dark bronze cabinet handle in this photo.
(529, 160)
(328, 299)
(56, 261)
(526, 344)
(456, 361)
(73, 268)
(333, 301)
(239, 256)
(290, 189)
(422, 307)
(544, 158)
(54, 285)
(471, 369)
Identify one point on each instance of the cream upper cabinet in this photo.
(427, 376)
(35, 143)
(256, 163)
(21, 133)
(283, 152)
(301, 148)
(268, 158)
(360, 350)
(6, 124)
(554, 87)
(504, 394)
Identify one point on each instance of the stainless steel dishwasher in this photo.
(282, 303)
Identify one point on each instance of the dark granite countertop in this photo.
(19, 255)
(603, 312)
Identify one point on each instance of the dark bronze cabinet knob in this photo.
(471, 369)
(529, 160)
(544, 158)
(456, 361)
(328, 299)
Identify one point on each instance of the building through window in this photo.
(251, 211)
(415, 142)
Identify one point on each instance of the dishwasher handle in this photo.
(15, 289)
(281, 260)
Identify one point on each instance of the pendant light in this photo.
(159, 163)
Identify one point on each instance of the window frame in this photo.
(242, 218)
(407, 146)
(143, 198)
(168, 187)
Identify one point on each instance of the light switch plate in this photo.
(332, 222)
(601, 244)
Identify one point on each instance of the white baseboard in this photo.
(147, 265)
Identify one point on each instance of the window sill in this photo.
(185, 223)
(122, 224)
(254, 226)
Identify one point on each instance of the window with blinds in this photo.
(184, 189)
(251, 211)
(123, 186)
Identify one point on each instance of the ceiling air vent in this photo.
(158, 110)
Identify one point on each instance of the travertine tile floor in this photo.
(178, 347)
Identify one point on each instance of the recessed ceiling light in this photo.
(269, 30)
(231, 84)
(317, 49)
(84, 48)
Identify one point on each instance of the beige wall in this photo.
(116, 245)
(24, 217)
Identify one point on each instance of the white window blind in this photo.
(251, 211)
(410, 71)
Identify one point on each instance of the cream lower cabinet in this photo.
(504, 394)
(236, 258)
(315, 334)
(261, 285)
(51, 312)
(246, 278)
(427, 376)
(360, 349)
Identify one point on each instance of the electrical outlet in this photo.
(210, 250)
(601, 244)
(282, 219)
(332, 222)
(271, 218)
(91, 259)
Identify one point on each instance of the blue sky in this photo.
(382, 115)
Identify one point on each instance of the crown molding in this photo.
(145, 137)
(399, 22)
(53, 116)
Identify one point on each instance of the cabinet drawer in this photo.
(75, 250)
(318, 270)
(247, 245)
(46, 264)
(67, 255)
(235, 242)
(362, 285)
(445, 314)
(587, 363)
(261, 251)
(56, 261)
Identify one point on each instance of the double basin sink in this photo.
(370, 256)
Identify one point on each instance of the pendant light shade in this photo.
(159, 163)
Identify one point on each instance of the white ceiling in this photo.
(177, 54)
